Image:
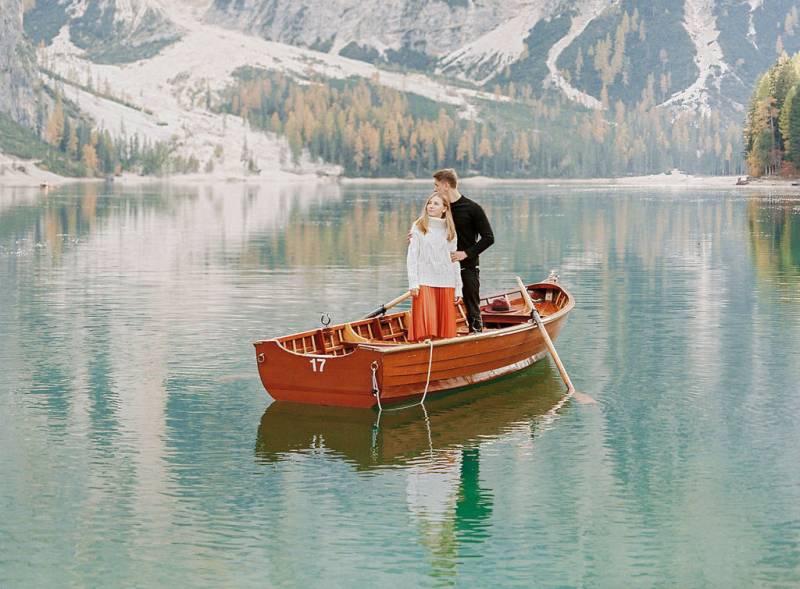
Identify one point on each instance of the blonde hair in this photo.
(446, 175)
(422, 221)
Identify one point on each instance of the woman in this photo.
(434, 281)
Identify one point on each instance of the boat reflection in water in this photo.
(438, 446)
(369, 439)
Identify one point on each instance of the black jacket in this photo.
(473, 230)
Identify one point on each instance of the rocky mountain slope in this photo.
(683, 53)
(692, 53)
(17, 66)
(110, 31)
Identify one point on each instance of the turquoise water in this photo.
(140, 450)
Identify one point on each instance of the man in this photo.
(474, 236)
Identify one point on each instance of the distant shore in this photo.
(21, 173)
(672, 180)
(16, 172)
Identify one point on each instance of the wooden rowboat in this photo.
(370, 361)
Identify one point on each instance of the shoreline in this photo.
(31, 176)
(19, 173)
(674, 180)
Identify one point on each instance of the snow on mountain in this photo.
(483, 58)
(588, 12)
(427, 27)
(700, 23)
(751, 27)
(469, 40)
(479, 40)
(159, 91)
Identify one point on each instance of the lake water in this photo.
(138, 447)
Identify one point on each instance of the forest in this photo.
(67, 142)
(375, 131)
(772, 129)
(372, 131)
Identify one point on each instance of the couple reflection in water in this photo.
(447, 503)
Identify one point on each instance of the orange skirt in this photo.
(433, 313)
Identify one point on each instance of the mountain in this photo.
(694, 54)
(17, 66)
(687, 53)
(516, 77)
(412, 33)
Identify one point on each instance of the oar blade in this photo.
(583, 398)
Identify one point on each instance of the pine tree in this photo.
(783, 120)
(275, 122)
(522, 153)
(484, 150)
(782, 77)
(358, 152)
(63, 145)
(72, 144)
(55, 123)
(793, 128)
(90, 158)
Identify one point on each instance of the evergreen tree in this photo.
(782, 77)
(783, 121)
(793, 128)
(55, 123)
(90, 158)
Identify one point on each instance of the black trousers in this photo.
(471, 287)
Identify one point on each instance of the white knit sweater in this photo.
(428, 258)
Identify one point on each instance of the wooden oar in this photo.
(580, 397)
(385, 307)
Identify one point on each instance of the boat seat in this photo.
(504, 320)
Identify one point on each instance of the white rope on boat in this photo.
(377, 391)
(428, 378)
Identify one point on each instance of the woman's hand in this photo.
(458, 300)
(415, 292)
